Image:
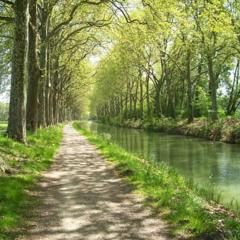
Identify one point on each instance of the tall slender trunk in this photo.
(212, 88)
(55, 108)
(126, 101)
(189, 91)
(50, 107)
(141, 98)
(54, 92)
(33, 69)
(136, 100)
(130, 104)
(48, 88)
(234, 93)
(157, 109)
(17, 107)
(148, 96)
(43, 66)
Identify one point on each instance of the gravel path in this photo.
(83, 198)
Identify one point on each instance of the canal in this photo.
(206, 163)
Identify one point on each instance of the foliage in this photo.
(181, 60)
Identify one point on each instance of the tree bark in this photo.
(135, 100)
(141, 98)
(212, 88)
(48, 89)
(43, 66)
(189, 92)
(17, 108)
(148, 96)
(157, 109)
(55, 92)
(33, 69)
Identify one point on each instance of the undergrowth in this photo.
(193, 212)
(26, 162)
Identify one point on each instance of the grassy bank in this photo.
(225, 130)
(192, 211)
(24, 165)
(3, 126)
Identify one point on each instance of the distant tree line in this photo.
(181, 62)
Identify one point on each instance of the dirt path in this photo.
(83, 198)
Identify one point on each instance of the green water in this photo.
(207, 163)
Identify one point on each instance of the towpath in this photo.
(83, 198)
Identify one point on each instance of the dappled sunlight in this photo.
(83, 198)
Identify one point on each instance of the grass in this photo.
(3, 126)
(193, 212)
(28, 161)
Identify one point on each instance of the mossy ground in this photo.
(193, 212)
(27, 162)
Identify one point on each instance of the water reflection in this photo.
(205, 162)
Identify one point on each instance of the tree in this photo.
(33, 69)
(17, 109)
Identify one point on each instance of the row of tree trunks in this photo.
(35, 92)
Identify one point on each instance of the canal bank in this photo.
(189, 209)
(214, 165)
(224, 130)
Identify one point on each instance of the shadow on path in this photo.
(82, 198)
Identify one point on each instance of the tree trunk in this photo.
(17, 107)
(130, 104)
(234, 93)
(33, 69)
(157, 109)
(54, 92)
(55, 108)
(126, 101)
(50, 107)
(135, 103)
(212, 88)
(48, 89)
(43, 66)
(141, 98)
(189, 92)
(148, 97)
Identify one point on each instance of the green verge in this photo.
(189, 209)
(3, 126)
(27, 163)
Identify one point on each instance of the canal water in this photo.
(206, 163)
